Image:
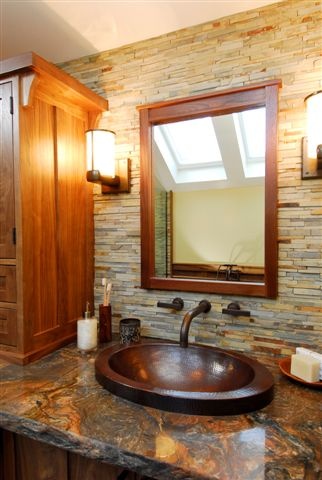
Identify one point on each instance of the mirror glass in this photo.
(209, 185)
(211, 167)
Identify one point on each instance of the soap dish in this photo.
(285, 367)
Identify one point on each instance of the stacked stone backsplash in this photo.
(280, 41)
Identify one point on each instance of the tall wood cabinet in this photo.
(46, 206)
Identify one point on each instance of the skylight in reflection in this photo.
(251, 135)
(212, 150)
(192, 142)
(253, 123)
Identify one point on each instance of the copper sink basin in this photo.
(197, 380)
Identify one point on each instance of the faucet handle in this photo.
(235, 310)
(177, 304)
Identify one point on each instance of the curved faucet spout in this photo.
(203, 307)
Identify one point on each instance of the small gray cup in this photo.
(130, 329)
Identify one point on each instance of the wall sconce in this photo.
(312, 144)
(114, 176)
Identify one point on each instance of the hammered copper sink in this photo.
(196, 380)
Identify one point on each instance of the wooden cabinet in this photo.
(46, 206)
(27, 459)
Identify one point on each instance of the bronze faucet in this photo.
(203, 307)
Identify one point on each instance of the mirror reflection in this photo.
(210, 197)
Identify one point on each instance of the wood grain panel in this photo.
(8, 291)
(7, 199)
(81, 467)
(72, 233)
(39, 224)
(8, 261)
(38, 461)
(7, 457)
(8, 326)
(28, 459)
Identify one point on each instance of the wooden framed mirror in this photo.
(209, 200)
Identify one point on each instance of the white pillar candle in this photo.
(87, 334)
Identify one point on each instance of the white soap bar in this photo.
(316, 355)
(305, 367)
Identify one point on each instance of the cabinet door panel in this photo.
(7, 200)
(8, 326)
(39, 461)
(8, 291)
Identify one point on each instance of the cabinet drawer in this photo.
(8, 326)
(8, 291)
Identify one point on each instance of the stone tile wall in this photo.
(280, 41)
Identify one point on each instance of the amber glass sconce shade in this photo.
(102, 167)
(312, 143)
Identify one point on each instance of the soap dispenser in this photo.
(87, 332)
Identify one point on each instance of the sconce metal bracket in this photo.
(311, 167)
(123, 173)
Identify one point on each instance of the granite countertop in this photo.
(57, 400)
